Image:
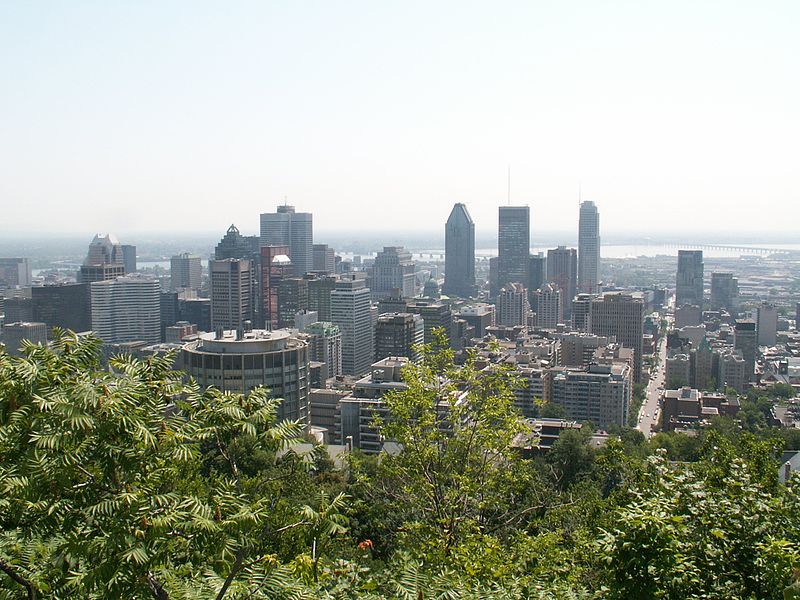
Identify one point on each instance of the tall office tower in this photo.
(324, 259)
(459, 253)
(562, 270)
(547, 306)
(514, 245)
(289, 228)
(745, 339)
(393, 269)
(235, 245)
(588, 248)
(537, 271)
(126, 309)
(399, 334)
(275, 266)
(170, 311)
(292, 298)
(581, 312)
(276, 360)
(103, 261)
(129, 258)
(689, 282)
(621, 315)
(319, 296)
(15, 333)
(351, 311)
(231, 293)
(185, 272)
(326, 347)
(724, 292)
(65, 306)
(15, 272)
(196, 311)
(767, 324)
(512, 305)
(434, 314)
(494, 276)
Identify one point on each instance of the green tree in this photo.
(324, 522)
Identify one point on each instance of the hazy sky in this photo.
(126, 116)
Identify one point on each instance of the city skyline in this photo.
(340, 111)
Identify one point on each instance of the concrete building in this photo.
(393, 270)
(231, 293)
(582, 312)
(512, 305)
(15, 272)
(687, 407)
(275, 267)
(731, 370)
(537, 271)
(324, 259)
(547, 306)
(244, 247)
(459, 253)
(435, 314)
(600, 393)
(65, 306)
(621, 315)
(678, 371)
(285, 227)
(767, 324)
(588, 248)
(292, 298)
(688, 315)
(325, 345)
(399, 334)
(745, 339)
(126, 309)
(241, 362)
(724, 292)
(185, 272)
(578, 349)
(513, 242)
(104, 260)
(479, 317)
(15, 333)
(562, 271)
(319, 296)
(351, 311)
(129, 258)
(689, 280)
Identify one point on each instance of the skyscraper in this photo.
(767, 324)
(562, 271)
(724, 291)
(129, 258)
(275, 267)
(295, 230)
(689, 281)
(398, 334)
(319, 296)
(547, 305)
(244, 247)
(393, 269)
(513, 244)
(512, 305)
(103, 261)
(621, 315)
(350, 310)
(459, 253)
(324, 258)
(127, 309)
(292, 299)
(65, 306)
(325, 344)
(745, 339)
(588, 248)
(231, 292)
(15, 272)
(185, 272)
(537, 271)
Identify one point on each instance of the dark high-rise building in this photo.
(588, 248)
(170, 311)
(513, 243)
(104, 260)
(197, 311)
(324, 259)
(186, 272)
(581, 312)
(562, 271)
(18, 310)
(724, 292)
(295, 230)
(621, 315)
(292, 298)
(65, 306)
(319, 296)
(244, 247)
(275, 266)
(745, 339)
(435, 314)
(459, 253)
(398, 334)
(231, 293)
(689, 281)
(13, 334)
(129, 258)
(537, 271)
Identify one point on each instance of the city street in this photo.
(648, 415)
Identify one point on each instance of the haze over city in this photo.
(678, 117)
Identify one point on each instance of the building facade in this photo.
(459, 253)
(588, 248)
(513, 244)
(126, 309)
(285, 227)
(231, 293)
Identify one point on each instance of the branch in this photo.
(159, 593)
(234, 569)
(9, 570)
